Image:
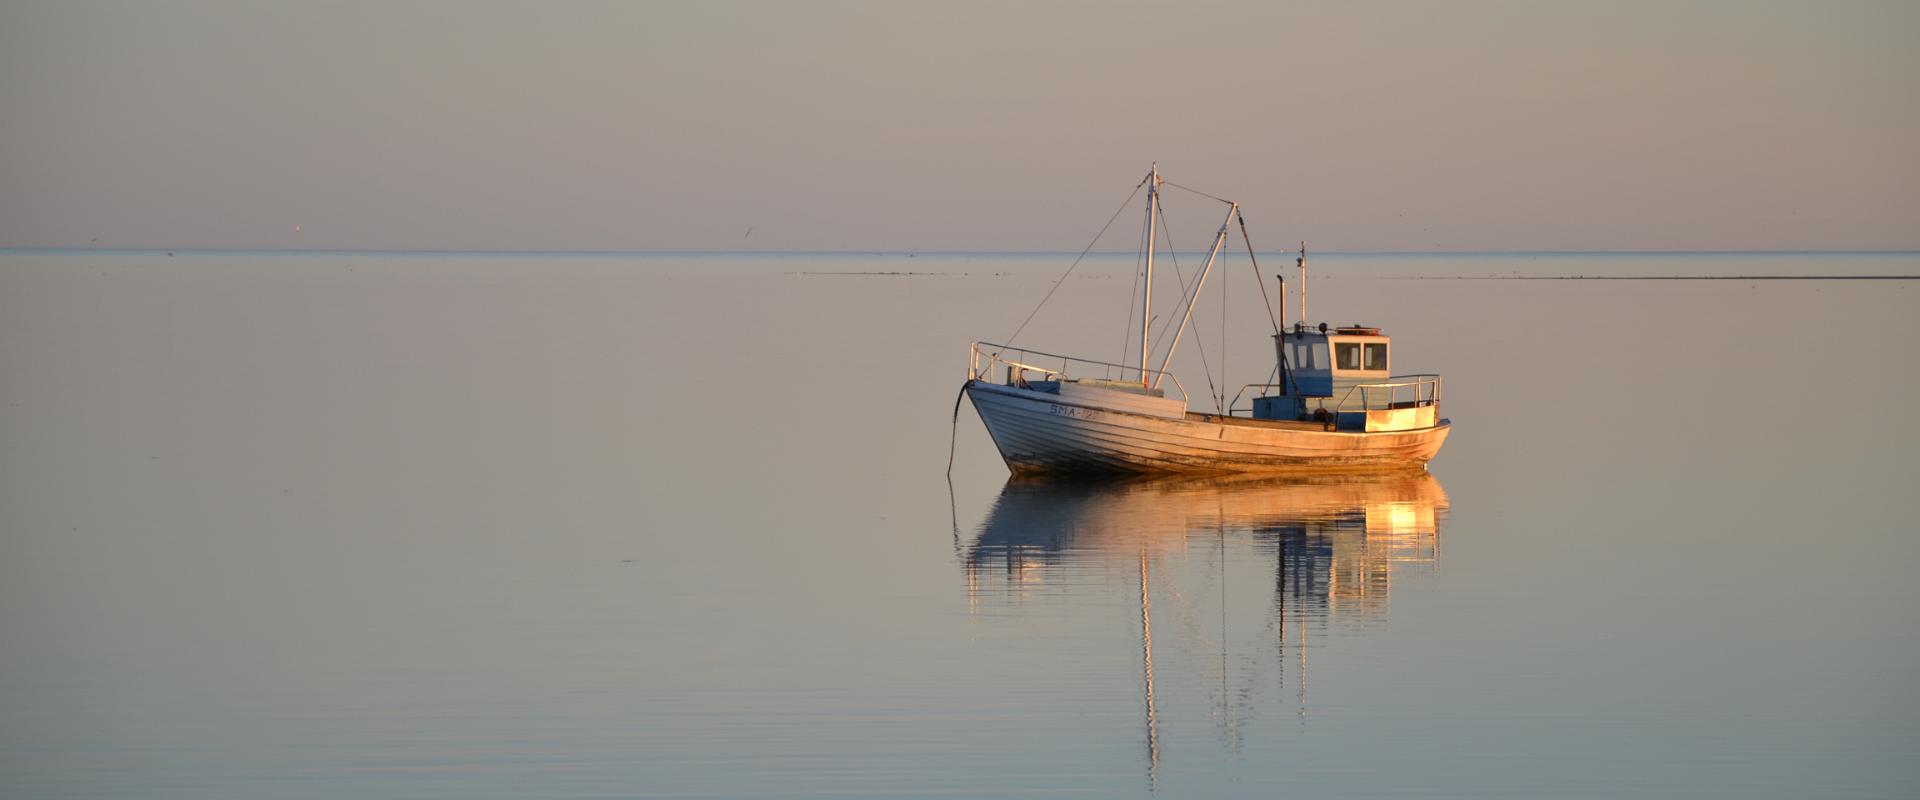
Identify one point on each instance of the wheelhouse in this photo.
(1323, 363)
(1342, 376)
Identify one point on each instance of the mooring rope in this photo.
(953, 441)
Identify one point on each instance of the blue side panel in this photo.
(1279, 407)
(1313, 384)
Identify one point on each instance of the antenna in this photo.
(1302, 261)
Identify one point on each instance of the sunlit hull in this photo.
(1038, 433)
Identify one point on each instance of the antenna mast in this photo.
(1302, 262)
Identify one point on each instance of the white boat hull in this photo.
(1037, 432)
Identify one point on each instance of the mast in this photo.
(1146, 306)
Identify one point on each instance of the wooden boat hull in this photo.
(1038, 433)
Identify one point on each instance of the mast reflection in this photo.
(1322, 550)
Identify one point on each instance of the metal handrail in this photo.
(1243, 390)
(977, 371)
(1392, 386)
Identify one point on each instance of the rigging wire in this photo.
(1174, 254)
(1164, 182)
(1254, 261)
(1221, 396)
(1205, 366)
(1126, 334)
(1076, 262)
(1280, 368)
(1185, 290)
(1221, 403)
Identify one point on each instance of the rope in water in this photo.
(953, 441)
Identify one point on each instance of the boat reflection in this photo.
(1305, 554)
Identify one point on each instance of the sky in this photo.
(482, 125)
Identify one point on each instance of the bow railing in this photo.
(982, 357)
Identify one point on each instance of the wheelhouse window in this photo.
(1377, 356)
(1346, 355)
(1309, 356)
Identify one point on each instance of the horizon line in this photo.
(910, 252)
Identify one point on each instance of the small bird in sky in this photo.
(749, 233)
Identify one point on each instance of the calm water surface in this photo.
(281, 525)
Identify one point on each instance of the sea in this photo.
(717, 525)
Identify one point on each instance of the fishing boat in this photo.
(1332, 402)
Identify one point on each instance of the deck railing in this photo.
(1235, 407)
(1399, 391)
(982, 356)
